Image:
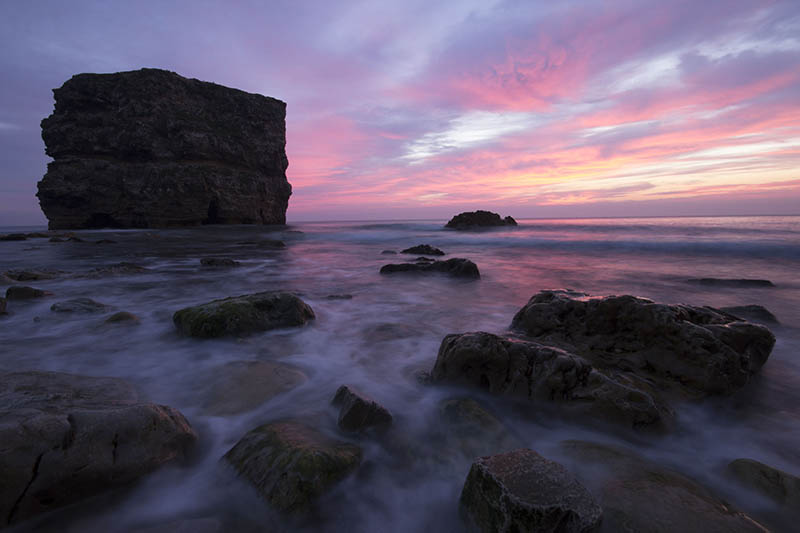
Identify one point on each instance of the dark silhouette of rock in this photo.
(149, 148)
(422, 249)
(523, 491)
(122, 317)
(479, 219)
(543, 374)
(13, 237)
(456, 267)
(218, 262)
(389, 252)
(78, 305)
(2, 306)
(782, 487)
(67, 437)
(698, 350)
(358, 412)
(756, 313)
(243, 315)
(291, 464)
(18, 292)
(32, 275)
(726, 282)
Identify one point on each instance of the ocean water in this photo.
(381, 338)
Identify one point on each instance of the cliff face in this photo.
(149, 148)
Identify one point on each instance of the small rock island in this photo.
(149, 148)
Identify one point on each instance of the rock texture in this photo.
(697, 349)
(78, 305)
(291, 464)
(149, 148)
(243, 315)
(358, 412)
(479, 219)
(65, 437)
(456, 267)
(18, 292)
(544, 374)
(522, 491)
(781, 486)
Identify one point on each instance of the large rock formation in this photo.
(149, 148)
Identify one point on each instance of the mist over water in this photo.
(382, 337)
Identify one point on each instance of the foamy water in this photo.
(384, 335)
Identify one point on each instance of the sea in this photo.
(380, 334)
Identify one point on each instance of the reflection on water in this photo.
(382, 337)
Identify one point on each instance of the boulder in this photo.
(122, 317)
(240, 386)
(149, 148)
(422, 249)
(730, 282)
(698, 350)
(78, 305)
(479, 219)
(522, 491)
(292, 465)
(639, 495)
(18, 292)
(243, 315)
(67, 437)
(456, 267)
(218, 262)
(780, 486)
(542, 374)
(358, 412)
(755, 313)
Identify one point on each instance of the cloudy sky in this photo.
(420, 109)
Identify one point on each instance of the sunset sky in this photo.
(420, 109)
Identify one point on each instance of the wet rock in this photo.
(2, 306)
(389, 252)
(243, 315)
(422, 249)
(544, 374)
(32, 275)
(149, 148)
(638, 495)
(292, 465)
(756, 313)
(479, 219)
(78, 305)
(726, 282)
(18, 292)
(473, 430)
(75, 239)
(122, 317)
(424, 260)
(456, 267)
(240, 386)
(218, 262)
(780, 486)
(118, 269)
(523, 491)
(272, 243)
(67, 437)
(358, 412)
(57, 239)
(13, 237)
(697, 350)
(339, 297)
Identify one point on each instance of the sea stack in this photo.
(149, 148)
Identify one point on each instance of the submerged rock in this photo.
(242, 315)
(522, 491)
(32, 275)
(479, 219)
(13, 237)
(291, 465)
(67, 437)
(18, 292)
(2, 306)
(638, 495)
(358, 412)
(240, 386)
(726, 282)
(122, 317)
(118, 269)
(456, 267)
(780, 486)
(218, 262)
(422, 249)
(539, 373)
(149, 148)
(473, 430)
(756, 313)
(78, 305)
(699, 349)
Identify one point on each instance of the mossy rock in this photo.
(243, 315)
(292, 465)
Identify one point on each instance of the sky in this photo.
(420, 109)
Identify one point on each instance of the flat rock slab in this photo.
(782, 487)
(18, 292)
(456, 267)
(291, 464)
(65, 437)
(697, 350)
(422, 249)
(542, 374)
(522, 491)
(359, 412)
(638, 495)
(240, 386)
(243, 315)
(78, 305)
